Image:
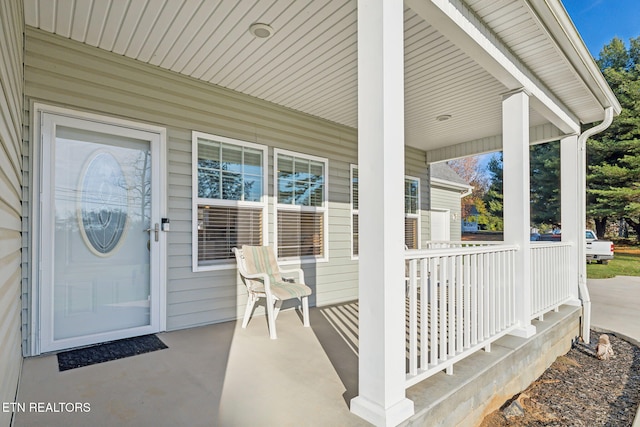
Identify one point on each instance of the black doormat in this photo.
(109, 351)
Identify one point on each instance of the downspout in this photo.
(582, 281)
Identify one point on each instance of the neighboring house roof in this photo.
(444, 172)
(442, 175)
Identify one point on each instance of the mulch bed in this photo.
(579, 390)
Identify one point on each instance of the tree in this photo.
(613, 179)
(545, 183)
(470, 169)
(493, 199)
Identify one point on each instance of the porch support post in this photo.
(381, 400)
(516, 206)
(572, 208)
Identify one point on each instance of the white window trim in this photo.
(418, 214)
(195, 135)
(353, 211)
(324, 209)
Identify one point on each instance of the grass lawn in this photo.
(625, 262)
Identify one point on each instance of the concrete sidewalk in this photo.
(615, 306)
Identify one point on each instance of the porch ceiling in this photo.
(310, 62)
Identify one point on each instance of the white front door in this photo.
(99, 250)
(440, 226)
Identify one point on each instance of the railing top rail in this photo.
(467, 250)
(540, 245)
(465, 242)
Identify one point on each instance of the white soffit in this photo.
(309, 63)
(514, 22)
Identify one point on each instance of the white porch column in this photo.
(573, 208)
(381, 398)
(516, 207)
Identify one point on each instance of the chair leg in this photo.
(251, 302)
(305, 311)
(277, 305)
(271, 318)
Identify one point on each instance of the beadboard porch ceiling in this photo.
(310, 62)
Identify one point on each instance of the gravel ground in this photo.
(579, 390)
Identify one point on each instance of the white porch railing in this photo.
(460, 300)
(550, 277)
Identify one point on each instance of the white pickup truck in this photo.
(600, 251)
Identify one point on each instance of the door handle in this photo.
(156, 231)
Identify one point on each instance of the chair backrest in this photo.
(261, 259)
(257, 259)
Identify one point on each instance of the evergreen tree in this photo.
(545, 183)
(613, 178)
(493, 199)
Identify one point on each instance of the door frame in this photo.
(40, 245)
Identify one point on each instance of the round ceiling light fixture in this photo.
(261, 31)
(443, 117)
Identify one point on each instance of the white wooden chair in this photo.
(260, 273)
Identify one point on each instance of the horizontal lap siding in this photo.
(11, 81)
(62, 72)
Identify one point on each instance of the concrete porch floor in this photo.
(222, 375)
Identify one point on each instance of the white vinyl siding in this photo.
(229, 193)
(11, 178)
(301, 206)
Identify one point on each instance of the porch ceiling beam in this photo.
(454, 20)
(537, 135)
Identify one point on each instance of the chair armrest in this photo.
(262, 276)
(297, 271)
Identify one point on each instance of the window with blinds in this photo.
(229, 197)
(354, 211)
(301, 206)
(412, 212)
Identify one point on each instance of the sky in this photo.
(599, 21)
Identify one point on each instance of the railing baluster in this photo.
(433, 305)
(467, 301)
(425, 284)
(459, 301)
(451, 307)
(443, 308)
(413, 317)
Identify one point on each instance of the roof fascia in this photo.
(560, 28)
(450, 184)
(454, 20)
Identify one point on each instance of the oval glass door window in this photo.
(103, 204)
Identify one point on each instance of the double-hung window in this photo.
(301, 206)
(412, 212)
(229, 197)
